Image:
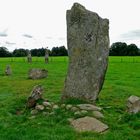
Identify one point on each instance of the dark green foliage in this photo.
(59, 51)
(122, 49)
(4, 52)
(19, 52)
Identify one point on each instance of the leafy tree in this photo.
(20, 52)
(122, 49)
(4, 52)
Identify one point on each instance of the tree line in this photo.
(55, 51)
(116, 49)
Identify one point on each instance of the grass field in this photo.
(122, 80)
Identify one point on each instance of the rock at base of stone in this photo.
(89, 107)
(88, 49)
(133, 104)
(37, 73)
(89, 124)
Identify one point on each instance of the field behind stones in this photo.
(121, 81)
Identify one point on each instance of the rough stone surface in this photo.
(74, 109)
(98, 114)
(84, 112)
(88, 48)
(68, 107)
(133, 104)
(36, 94)
(37, 73)
(89, 107)
(77, 113)
(8, 70)
(89, 124)
(47, 104)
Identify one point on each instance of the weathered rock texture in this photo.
(88, 47)
(133, 104)
(37, 73)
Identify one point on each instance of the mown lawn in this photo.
(122, 80)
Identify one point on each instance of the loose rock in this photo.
(37, 73)
(39, 107)
(34, 112)
(98, 114)
(133, 104)
(89, 107)
(89, 124)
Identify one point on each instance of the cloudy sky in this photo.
(42, 23)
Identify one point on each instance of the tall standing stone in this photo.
(88, 48)
(8, 70)
(29, 57)
(46, 56)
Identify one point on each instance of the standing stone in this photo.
(88, 48)
(29, 57)
(8, 70)
(46, 56)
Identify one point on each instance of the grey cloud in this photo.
(27, 35)
(9, 43)
(4, 33)
(61, 38)
(131, 35)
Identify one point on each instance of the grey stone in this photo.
(133, 104)
(39, 107)
(89, 107)
(37, 73)
(8, 70)
(88, 49)
(36, 94)
(89, 124)
(29, 57)
(46, 56)
(34, 112)
(98, 114)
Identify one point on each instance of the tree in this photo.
(20, 52)
(59, 51)
(4, 52)
(122, 49)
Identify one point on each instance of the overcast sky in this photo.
(41, 23)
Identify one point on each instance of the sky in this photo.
(42, 23)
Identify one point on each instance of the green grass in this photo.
(122, 80)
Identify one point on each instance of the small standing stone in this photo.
(8, 70)
(46, 56)
(29, 57)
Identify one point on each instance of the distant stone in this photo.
(88, 49)
(29, 57)
(133, 104)
(68, 107)
(46, 56)
(34, 112)
(89, 124)
(37, 73)
(39, 107)
(36, 94)
(98, 114)
(8, 70)
(89, 107)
